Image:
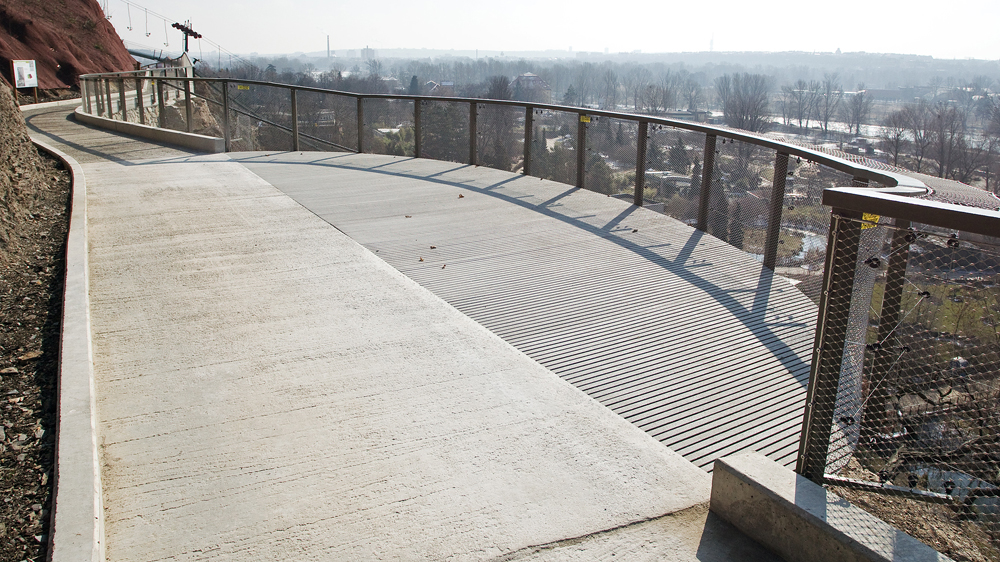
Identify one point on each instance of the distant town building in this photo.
(368, 54)
(530, 87)
(444, 89)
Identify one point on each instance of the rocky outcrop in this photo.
(66, 38)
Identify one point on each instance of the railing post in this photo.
(295, 120)
(640, 164)
(107, 90)
(225, 116)
(139, 101)
(473, 118)
(85, 90)
(187, 104)
(122, 106)
(416, 128)
(774, 212)
(529, 120)
(828, 347)
(581, 149)
(361, 124)
(705, 196)
(161, 118)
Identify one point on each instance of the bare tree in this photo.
(918, 121)
(667, 90)
(609, 89)
(948, 136)
(585, 81)
(745, 100)
(693, 95)
(829, 100)
(635, 80)
(856, 109)
(892, 135)
(498, 88)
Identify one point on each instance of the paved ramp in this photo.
(268, 389)
(683, 335)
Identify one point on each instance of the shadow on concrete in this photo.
(753, 318)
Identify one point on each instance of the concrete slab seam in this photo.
(194, 141)
(77, 511)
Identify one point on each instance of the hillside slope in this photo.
(66, 38)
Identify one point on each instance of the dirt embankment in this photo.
(65, 38)
(34, 208)
(21, 178)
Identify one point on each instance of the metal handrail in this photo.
(899, 204)
(859, 171)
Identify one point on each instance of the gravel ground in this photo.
(34, 207)
(30, 315)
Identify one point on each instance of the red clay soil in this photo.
(65, 38)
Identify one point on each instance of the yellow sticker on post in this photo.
(242, 87)
(869, 218)
(585, 119)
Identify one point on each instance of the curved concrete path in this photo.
(268, 389)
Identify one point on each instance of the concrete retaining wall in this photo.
(802, 521)
(201, 143)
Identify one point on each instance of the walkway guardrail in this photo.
(905, 377)
(757, 193)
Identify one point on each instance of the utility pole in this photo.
(185, 28)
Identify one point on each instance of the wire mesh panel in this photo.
(174, 110)
(500, 136)
(807, 220)
(444, 130)
(260, 117)
(553, 145)
(912, 403)
(389, 127)
(207, 109)
(611, 153)
(327, 122)
(740, 197)
(674, 166)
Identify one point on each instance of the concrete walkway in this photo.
(268, 389)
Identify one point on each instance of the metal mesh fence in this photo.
(611, 155)
(905, 396)
(389, 127)
(740, 197)
(444, 130)
(807, 220)
(260, 117)
(674, 167)
(327, 121)
(553, 146)
(500, 136)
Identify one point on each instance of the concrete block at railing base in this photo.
(802, 521)
(201, 143)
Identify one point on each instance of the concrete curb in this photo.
(48, 104)
(77, 525)
(802, 521)
(201, 143)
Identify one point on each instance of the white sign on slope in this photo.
(24, 74)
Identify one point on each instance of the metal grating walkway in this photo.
(683, 335)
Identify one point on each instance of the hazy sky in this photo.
(952, 29)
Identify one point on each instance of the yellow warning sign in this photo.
(242, 87)
(869, 218)
(585, 119)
